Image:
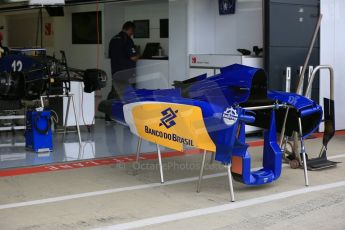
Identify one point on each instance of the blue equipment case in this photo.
(38, 134)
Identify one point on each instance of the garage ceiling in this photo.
(13, 5)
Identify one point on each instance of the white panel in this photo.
(221, 60)
(333, 53)
(339, 57)
(213, 60)
(178, 39)
(256, 62)
(153, 74)
(194, 72)
(85, 106)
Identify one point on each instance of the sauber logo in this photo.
(193, 60)
(168, 118)
(230, 116)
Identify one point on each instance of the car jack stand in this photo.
(321, 162)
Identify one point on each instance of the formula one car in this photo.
(211, 113)
(26, 74)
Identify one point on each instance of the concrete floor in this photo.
(104, 197)
(102, 141)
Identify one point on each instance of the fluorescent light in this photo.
(46, 2)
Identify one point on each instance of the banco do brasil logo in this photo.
(168, 118)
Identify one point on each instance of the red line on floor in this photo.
(256, 143)
(115, 160)
(91, 163)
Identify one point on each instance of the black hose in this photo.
(39, 130)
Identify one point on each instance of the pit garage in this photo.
(157, 114)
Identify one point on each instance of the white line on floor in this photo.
(220, 208)
(103, 192)
(336, 156)
(117, 190)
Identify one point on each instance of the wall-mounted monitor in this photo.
(164, 28)
(84, 28)
(142, 28)
(226, 6)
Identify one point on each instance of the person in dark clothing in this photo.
(123, 56)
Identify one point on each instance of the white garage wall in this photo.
(117, 13)
(211, 33)
(178, 40)
(20, 29)
(114, 17)
(83, 56)
(79, 55)
(153, 12)
(195, 27)
(333, 53)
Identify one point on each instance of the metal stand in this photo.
(159, 158)
(321, 161)
(228, 167)
(231, 187)
(136, 163)
(201, 171)
(70, 97)
(303, 153)
(160, 163)
(138, 150)
(213, 155)
(282, 134)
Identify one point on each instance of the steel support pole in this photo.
(231, 187)
(160, 164)
(304, 157)
(76, 118)
(138, 150)
(66, 118)
(201, 171)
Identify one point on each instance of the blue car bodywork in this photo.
(226, 100)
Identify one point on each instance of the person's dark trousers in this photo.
(111, 95)
(119, 85)
(115, 93)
